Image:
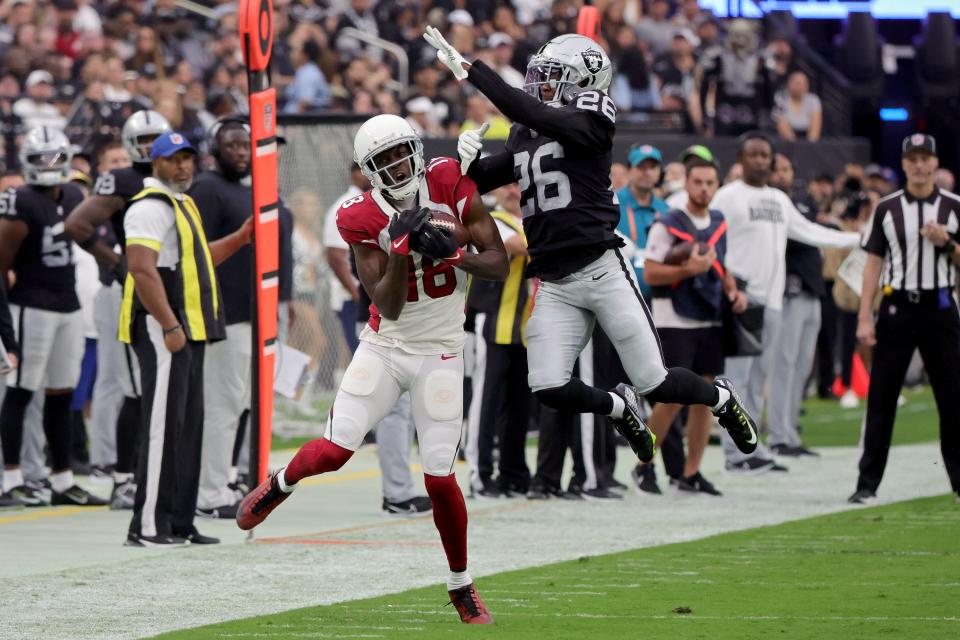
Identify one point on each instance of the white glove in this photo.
(445, 53)
(469, 144)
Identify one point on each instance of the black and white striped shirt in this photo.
(912, 262)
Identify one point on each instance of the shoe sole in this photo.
(404, 514)
(153, 545)
(759, 471)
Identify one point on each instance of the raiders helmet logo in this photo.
(592, 60)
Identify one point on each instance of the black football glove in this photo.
(434, 242)
(404, 226)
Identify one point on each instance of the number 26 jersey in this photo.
(432, 318)
(45, 264)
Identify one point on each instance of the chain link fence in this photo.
(314, 173)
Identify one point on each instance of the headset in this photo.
(756, 134)
(231, 120)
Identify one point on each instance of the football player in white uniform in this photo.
(416, 274)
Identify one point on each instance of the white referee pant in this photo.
(750, 375)
(226, 393)
(792, 362)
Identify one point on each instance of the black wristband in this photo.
(172, 329)
(87, 244)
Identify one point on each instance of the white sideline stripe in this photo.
(158, 427)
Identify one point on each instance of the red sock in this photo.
(450, 516)
(317, 456)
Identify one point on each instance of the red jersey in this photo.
(431, 321)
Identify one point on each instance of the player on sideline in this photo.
(416, 276)
(559, 150)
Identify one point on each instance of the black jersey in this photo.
(124, 183)
(561, 159)
(45, 263)
(224, 206)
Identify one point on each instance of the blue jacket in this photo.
(635, 222)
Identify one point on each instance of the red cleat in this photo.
(257, 505)
(469, 605)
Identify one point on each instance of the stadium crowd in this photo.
(86, 67)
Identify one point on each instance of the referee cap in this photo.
(168, 144)
(696, 151)
(920, 142)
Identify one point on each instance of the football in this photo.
(680, 252)
(451, 224)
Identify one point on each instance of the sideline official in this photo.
(912, 243)
(171, 308)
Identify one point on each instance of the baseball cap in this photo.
(461, 17)
(421, 104)
(499, 39)
(696, 151)
(37, 76)
(644, 152)
(919, 142)
(168, 144)
(688, 35)
(873, 170)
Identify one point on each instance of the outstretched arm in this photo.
(492, 172)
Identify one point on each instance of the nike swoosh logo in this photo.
(595, 278)
(398, 243)
(753, 440)
(80, 499)
(446, 357)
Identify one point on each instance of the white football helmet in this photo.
(141, 125)
(45, 155)
(570, 64)
(375, 136)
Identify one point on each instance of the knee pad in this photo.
(438, 455)
(443, 395)
(362, 376)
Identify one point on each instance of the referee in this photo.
(912, 244)
(171, 308)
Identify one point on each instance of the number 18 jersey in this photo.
(431, 321)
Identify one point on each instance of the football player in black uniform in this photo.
(118, 364)
(46, 312)
(560, 152)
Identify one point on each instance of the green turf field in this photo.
(884, 572)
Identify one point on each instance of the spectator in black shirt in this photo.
(674, 70)
(738, 80)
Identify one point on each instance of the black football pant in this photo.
(902, 327)
(171, 430)
(505, 414)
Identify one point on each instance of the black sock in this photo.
(682, 386)
(11, 423)
(128, 435)
(577, 397)
(56, 426)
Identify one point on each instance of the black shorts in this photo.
(700, 350)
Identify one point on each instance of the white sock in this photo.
(62, 481)
(724, 394)
(282, 481)
(121, 478)
(619, 406)
(458, 580)
(12, 478)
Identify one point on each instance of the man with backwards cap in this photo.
(171, 308)
(912, 253)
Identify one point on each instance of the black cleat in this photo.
(574, 491)
(27, 496)
(600, 494)
(863, 496)
(78, 497)
(225, 512)
(161, 541)
(697, 484)
(415, 506)
(7, 502)
(631, 425)
(645, 477)
(750, 466)
(735, 419)
(540, 491)
(193, 536)
(793, 452)
(614, 485)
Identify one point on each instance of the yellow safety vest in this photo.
(515, 302)
(192, 288)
